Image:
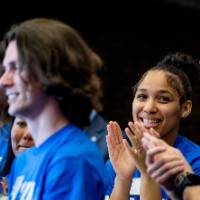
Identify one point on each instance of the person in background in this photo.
(20, 140)
(162, 97)
(97, 132)
(5, 124)
(50, 79)
(5, 127)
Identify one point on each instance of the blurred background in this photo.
(130, 38)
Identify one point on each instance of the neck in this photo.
(47, 122)
(170, 138)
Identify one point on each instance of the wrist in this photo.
(148, 180)
(122, 180)
(184, 180)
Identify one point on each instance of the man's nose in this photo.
(6, 79)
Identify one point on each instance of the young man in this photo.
(50, 80)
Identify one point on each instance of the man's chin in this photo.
(11, 112)
(14, 112)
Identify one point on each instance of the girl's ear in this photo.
(186, 108)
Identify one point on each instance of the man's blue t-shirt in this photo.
(66, 166)
(191, 152)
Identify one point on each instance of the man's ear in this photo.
(186, 108)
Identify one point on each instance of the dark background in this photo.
(130, 38)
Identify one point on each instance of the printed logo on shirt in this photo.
(135, 186)
(93, 138)
(23, 188)
(106, 197)
(135, 189)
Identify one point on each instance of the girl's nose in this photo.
(150, 106)
(27, 136)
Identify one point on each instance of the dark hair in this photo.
(187, 63)
(182, 73)
(1, 51)
(1, 57)
(4, 116)
(56, 56)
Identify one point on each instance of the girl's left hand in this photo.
(135, 133)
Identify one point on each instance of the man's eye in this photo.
(15, 67)
(12, 66)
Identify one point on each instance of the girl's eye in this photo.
(164, 99)
(141, 97)
(21, 124)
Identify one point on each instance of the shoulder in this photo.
(190, 150)
(75, 148)
(184, 144)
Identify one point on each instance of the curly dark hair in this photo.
(183, 73)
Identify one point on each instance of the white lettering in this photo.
(24, 188)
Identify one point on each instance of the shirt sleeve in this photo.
(195, 163)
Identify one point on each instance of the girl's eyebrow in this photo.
(141, 90)
(164, 91)
(159, 91)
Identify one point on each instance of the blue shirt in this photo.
(4, 146)
(66, 166)
(4, 143)
(191, 152)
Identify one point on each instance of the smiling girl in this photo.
(21, 138)
(162, 97)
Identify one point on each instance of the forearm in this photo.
(121, 189)
(149, 186)
(191, 193)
